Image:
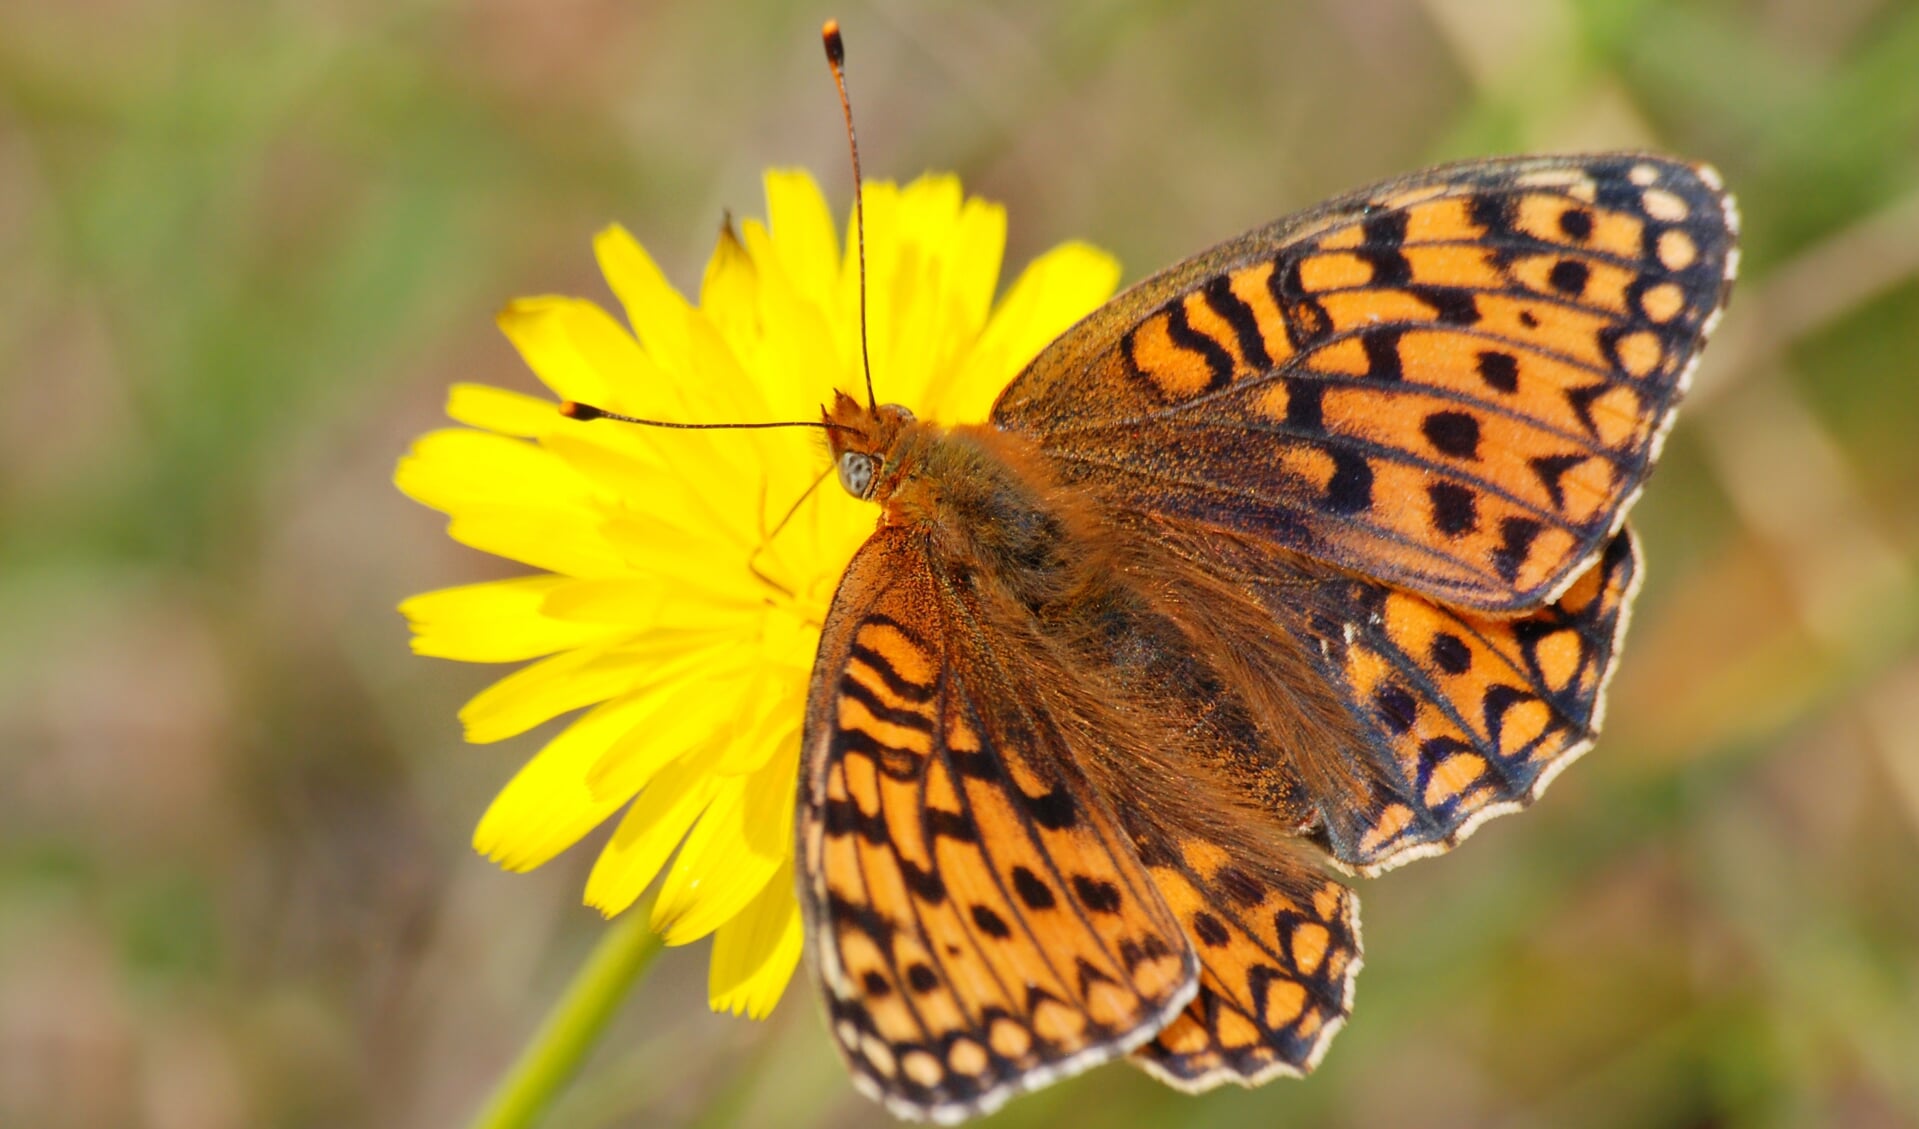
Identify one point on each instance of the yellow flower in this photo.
(685, 574)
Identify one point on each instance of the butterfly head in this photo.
(863, 441)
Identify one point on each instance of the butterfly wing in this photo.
(1459, 715)
(979, 921)
(1454, 382)
(1278, 946)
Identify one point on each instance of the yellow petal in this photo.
(634, 383)
(694, 705)
(546, 807)
(735, 848)
(730, 396)
(496, 409)
(455, 469)
(754, 954)
(775, 703)
(580, 351)
(711, 572)
(1056, 290)
(546, 538)
(653, 826)
(510, 498)
(534, 328)
(498, 621)
(882, 214)
(630, 602)
(811, 551)
(729, 288)
(803, 232)
(978, 246)
(654, 309)
(550, 688)
(797, 365)
(929, 208)
(639, 476)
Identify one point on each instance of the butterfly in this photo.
(1298, 560)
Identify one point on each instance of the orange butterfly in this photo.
(1307, 553)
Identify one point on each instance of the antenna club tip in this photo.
(835, 46)
(573, 409)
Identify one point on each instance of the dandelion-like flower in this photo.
(684, 575)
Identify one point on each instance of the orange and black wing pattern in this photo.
(1460, 715)
(1454, 383)
(1278, 947)
(979, 922)
(1476, 714)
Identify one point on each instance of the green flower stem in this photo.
(574, 1025)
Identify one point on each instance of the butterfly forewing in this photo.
(1454, 383)
(979, 922)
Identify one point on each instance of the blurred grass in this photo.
(245, 247)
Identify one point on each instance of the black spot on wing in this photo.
(1499, 370)
(1382, 351)
(1350, 490)
(1054, 810)
(1096, 894)
(1450, 653)
(1516, 536)
(990, 923)
(1031, 890)
(1451, 305)
(1305, 405)
(1384, 234)
(1569, 277)
(1455, 508)
(1453, 433)
(1397, 708)
(1550, 469)
(1209, 930)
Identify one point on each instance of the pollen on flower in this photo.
(680, 576)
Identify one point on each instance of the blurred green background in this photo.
(244, 248)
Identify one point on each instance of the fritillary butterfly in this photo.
(1307, 554)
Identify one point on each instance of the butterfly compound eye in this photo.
(856, 473)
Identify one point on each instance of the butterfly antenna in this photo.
(836, 59)
(573, 409)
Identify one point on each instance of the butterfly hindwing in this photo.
(1278, 946)
(1458, 716)
(1454, 383)
(1474, 714)
(980, 923)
